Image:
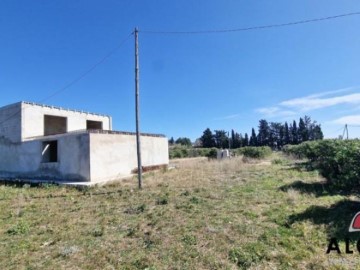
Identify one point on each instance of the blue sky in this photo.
(187, 82)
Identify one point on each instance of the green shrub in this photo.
(180, 151)
(212, 153)
(338, 161)
(255, 152)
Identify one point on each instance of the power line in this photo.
(77, 79)
(336, 131)
(71, 83)
(252, 28)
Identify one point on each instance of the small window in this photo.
(93, 125)
(49, 151)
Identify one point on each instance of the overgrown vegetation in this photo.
(202, 215)
(180, 151)
(337, 160)
(255, 152)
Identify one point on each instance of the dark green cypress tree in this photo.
(246, 140)
(235, 139)
(294, 133)
(286, 134)
(303, 134)
(207, 139)
(264, 133)
(281, 140)
(253, 138)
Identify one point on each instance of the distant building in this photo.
(223, 153)
(50, 143)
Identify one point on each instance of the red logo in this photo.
(355, 223)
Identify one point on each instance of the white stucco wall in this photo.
(114, 156)
(10, 122)
(33, 119)
(24, 160)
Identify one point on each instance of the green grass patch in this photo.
(202, 215)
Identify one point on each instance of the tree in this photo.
(317, 133)
(253, 139)
(303, 133)
(294, 133)
(246, 140)
(183, 141)
(281, 141)
(171, 141)
(241, 140)
(264, 133)
(314, 130)
(235, 139)
(207, 138)
(286, 134)
(276, 134)
(221, 139)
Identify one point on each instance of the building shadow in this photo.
(300, 166)
(318, 189)
(336, 218)
(26, 184)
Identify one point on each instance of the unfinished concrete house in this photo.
(50, 143)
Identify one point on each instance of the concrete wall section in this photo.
(33, 119)
(74, 157)
(113, 156)
(10, 122)
(25, 160)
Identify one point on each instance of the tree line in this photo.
(273, 134)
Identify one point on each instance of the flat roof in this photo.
(93, 131)
(64, 109)
(53, 107)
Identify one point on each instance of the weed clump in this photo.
(162, 200)
(247, 256)
(21, 227)
(189, 239)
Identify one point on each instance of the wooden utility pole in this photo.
(137, 113)
(347, 132)
(229, 144)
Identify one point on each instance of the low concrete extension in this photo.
(114, 155)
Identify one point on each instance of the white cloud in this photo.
(228, 117)
(274, 112)
(312, 102)
(328, 93)
(309, 103)
(349, 119)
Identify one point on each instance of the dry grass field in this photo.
(204, 214)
